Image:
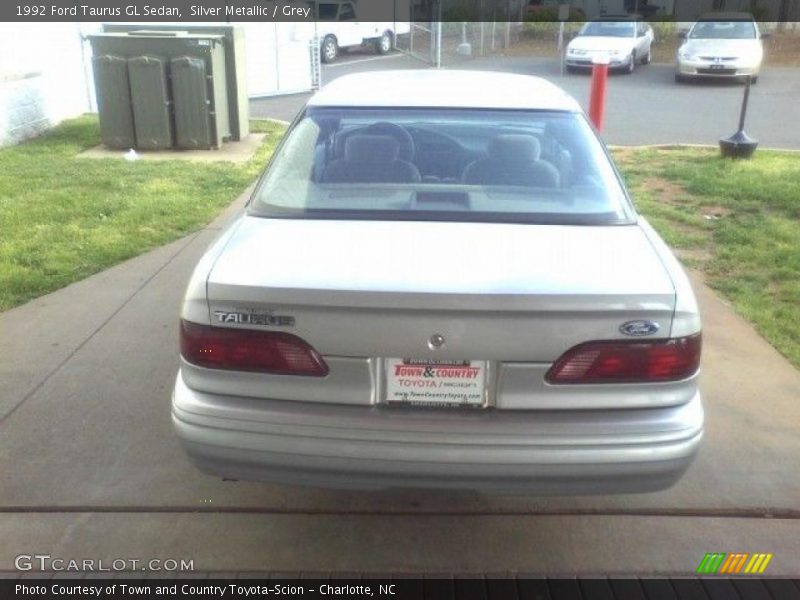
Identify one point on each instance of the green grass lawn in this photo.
(737, 222)
(63, 218)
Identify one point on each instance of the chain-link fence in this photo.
(446, 44)
(420, 42)
(462, 42)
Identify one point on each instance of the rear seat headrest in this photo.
(514, 147)
(371, 149)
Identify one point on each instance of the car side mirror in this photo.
(683, 35)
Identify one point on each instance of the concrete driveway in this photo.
(647, 107)
(89, 467)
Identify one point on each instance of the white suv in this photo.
(338, 27)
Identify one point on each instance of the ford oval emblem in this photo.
(639, 328)
(436, 341)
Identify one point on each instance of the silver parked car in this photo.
(622, 42)
(721, 45)
(440, 281)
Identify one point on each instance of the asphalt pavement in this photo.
(90, 468)
(647, 107)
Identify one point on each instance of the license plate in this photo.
(435, 383)
(717, 67)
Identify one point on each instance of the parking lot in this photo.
(89, 466)
(647, 107)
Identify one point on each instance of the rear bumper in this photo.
(575, 451)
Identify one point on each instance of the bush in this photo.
(664, 30)
(550, 13)
(461, 13)
(544, 29)
(762, 13)
(542, 21)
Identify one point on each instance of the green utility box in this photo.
(114, 104)
(151, 102)
(161, 89)
(235, 65)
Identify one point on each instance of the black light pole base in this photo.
(739, 145)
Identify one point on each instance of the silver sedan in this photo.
(719, 48)
(441, 281)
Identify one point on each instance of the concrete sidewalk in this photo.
(88, 461)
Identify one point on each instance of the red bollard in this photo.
(597, 99)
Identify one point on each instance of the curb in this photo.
(680, 146)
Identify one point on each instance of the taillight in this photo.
(628, 361)
(249, 350)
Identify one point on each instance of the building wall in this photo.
(596, 8)
(688, 10)
(41, 78)
(684, 10)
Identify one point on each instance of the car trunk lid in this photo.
(503, 292)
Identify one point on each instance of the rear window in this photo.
(442, 164)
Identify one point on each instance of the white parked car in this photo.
(721, 45)
(441, 281)
(623, 42)
(338, 27)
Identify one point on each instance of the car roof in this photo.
(444, 89)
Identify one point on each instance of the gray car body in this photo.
(356, 297)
